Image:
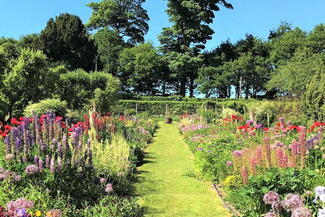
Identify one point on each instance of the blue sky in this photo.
(21, 17)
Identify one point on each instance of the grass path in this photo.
(166, 185)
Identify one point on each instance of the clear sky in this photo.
(21, 17)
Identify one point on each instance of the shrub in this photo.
(265, 113)
(48, 105)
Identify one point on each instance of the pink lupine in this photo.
(52, 166)
(253, 164)
(244, 174)
(259, 156)
(40, 165)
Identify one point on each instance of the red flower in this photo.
(266, 129)
(7, 127)
(3, 135)
(70, 129)
(21, 118)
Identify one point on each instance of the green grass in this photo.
(166, 185)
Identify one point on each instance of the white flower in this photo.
(321, 212)
(319, 193)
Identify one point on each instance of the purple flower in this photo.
(238, 153)
(259, 126)
(271, 197)
(301, 212)
(36, 159)
(20, 203)
(292, 201)
(47, 161)
(17, 178)
(52, 166)
(249, 122)
(40, 165)
(21, 212)
(59, 163)
(109, 188)
(277, 206)
(321, 212)
(281, 120)
(31, 169)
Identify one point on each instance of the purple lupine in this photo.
(59, 164)
(8, 144)
(53, 144)
(75, 138)
(18, 143)
(36, 159)
(52, 166)
(249, 122)
(59, 150)
(40, 165)
(47, 161)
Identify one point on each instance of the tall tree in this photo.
(189, 33)
(66, 40)
(126, 17)
(110, 45)
(141, 69)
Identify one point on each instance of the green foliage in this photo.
(78, 88)
(141, 69)
(28, 80)
(314, 98)
(65, 40)
(126, 18)
(47, 105)
(115, 206)
(157, 107)
(110, 45)
(265, 113)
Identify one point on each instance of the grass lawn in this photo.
(166, 185)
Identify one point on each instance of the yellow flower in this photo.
(38, 213)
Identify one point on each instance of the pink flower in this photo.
(31, 169)
(292, 201)
(229, 163)
(301, 212)
(271, 197)
(109, 188)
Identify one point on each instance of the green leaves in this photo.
(127, 18)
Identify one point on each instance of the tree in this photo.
(31, 41)
(66, 40)
(125, 17)
(189, 33)
(110, 45)
(141, 69)
(293, 77)
(28, 80)
(284, 47)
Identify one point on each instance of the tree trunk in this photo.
(182, 91)
(192, 87)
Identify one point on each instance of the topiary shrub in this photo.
(313, 104)
(47, 105)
